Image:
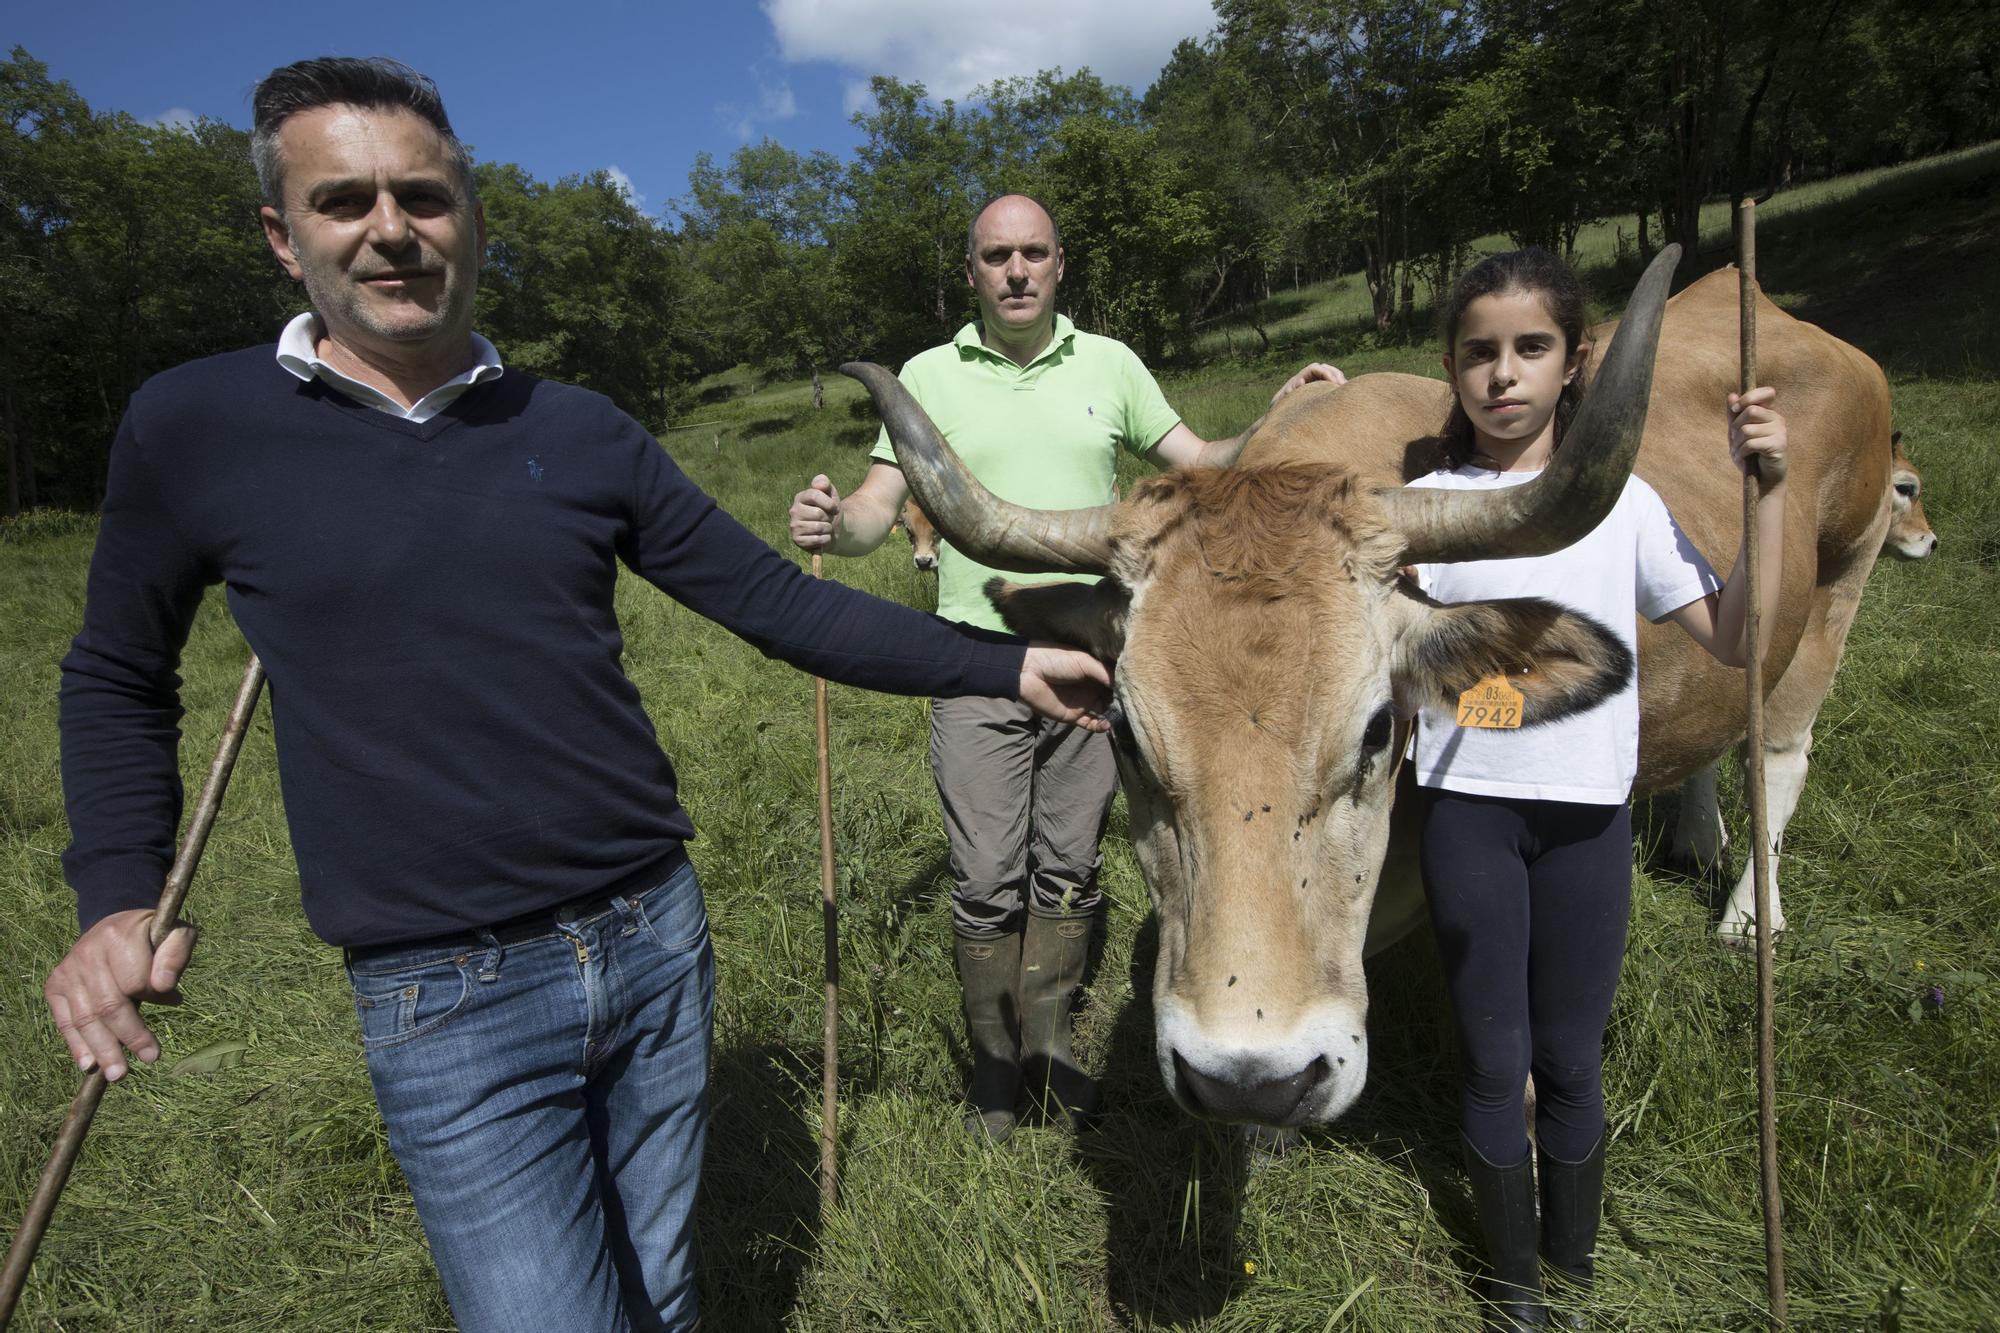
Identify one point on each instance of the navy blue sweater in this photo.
(457, 741)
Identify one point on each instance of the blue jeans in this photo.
(546, 1092)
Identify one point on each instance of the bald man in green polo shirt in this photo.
(1038, 411)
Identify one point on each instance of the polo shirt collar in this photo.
(298, 353)
(968, 340)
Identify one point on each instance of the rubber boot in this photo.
(989, 979)
(1053, 952)
(1572, 1199)
(1505, 1200)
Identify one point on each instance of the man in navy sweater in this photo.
(422, 548)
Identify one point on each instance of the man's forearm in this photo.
(1222, 453)
(864, 524)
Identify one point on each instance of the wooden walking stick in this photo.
(1753, 775)
(829, 1079)
(55, 1174)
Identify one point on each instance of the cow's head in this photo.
(917, 526)
(1269, 655)
(1910, 536)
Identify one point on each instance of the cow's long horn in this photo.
(1581, 482)
(995, 532)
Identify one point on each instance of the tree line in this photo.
(1301, 139)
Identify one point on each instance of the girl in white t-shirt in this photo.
(1527, 853)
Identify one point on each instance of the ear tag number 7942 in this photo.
(1490, 703)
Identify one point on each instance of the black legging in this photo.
(1529, 901)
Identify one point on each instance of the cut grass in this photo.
(264, 1196)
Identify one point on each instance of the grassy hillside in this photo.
(264, 1196)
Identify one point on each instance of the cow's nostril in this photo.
(1247, 1098)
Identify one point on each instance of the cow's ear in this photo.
(1089, 615)
(1561, 661)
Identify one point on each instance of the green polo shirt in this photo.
(1045, 435)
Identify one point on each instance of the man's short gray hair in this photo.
(375, 82)
(972, 227)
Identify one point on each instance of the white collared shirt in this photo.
(298, 352)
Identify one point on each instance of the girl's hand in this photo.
(1319, 372)
(1756, 430)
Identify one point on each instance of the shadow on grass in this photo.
(762, 426)
(1901, 268)
(1173, 1183)
(761, 1158)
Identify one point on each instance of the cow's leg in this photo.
(1784, 779)
(1700, 838)
(1789, 713)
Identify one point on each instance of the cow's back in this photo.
(1836, 404)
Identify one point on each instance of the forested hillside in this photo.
(1300, 141)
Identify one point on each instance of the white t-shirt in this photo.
(1636, 562)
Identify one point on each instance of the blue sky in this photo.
(569, 86)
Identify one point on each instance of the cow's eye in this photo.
(1380, 728)
(1907, 489)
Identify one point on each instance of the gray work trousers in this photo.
(1025, 801)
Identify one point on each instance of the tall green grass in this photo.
(264, 1196)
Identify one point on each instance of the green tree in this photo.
(582, 287)
(763, 232)
(911, 188)
(128, 249)
(1135, 230)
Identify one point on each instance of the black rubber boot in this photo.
(1053, 952)
(989, 979)
(1572, 1199)
(1505, 1200)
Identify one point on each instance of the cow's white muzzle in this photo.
(1307, 1074)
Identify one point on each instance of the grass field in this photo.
(264, 1196)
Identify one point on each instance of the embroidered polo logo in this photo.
(1090, 411)
(534, 469)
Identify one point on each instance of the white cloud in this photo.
(857, 96)
(952, 46)
(625, 186)
(176, 118)
(774, 102)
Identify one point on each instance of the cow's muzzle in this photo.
(1270, 1101)
(1305, 1074)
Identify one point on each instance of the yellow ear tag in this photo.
(1490, 703)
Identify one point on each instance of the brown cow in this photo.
(1267, 650)
(1700, 838)
(1910, 536)
(916, 524)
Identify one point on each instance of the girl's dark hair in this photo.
(1532, 270)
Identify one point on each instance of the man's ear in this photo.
(1561, 661)
(279, 235)
(1089, 615)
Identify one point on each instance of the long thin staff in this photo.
(21, 1254)
(1753, 770)
(829, 1080)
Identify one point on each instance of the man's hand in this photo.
(1066, 685)
(815, 515)
(1319, 372)
(95, 990)
(1756, 430)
